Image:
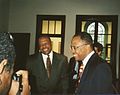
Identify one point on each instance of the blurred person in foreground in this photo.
(96, 76)
(7, 58)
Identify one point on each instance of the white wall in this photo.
(22, 17)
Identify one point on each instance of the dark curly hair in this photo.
(99, 46)
(7, 50)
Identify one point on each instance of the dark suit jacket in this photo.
(71, 73)
(96, 78)
(40, 84)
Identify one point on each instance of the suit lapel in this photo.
(90, 66)
(41, 65)
(54, 65)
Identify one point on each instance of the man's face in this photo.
(5, 79)
(45, 45)
(78, 48)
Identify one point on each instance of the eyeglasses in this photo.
(76, 47)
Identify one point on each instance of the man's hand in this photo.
(25, 83)
(24, 74)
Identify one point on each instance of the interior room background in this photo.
(20, 16)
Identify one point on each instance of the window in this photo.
(54, 26)
(103, 36)
(101, 31)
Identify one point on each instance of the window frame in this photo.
(40, 18)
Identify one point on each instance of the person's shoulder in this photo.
(97, 60)
(31, 59)
(32, 56)
(59, 55)
(102, 63)
(72, 59)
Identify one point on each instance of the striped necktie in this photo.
(80, 72)
(48, 64)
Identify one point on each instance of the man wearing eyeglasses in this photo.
(97, 76)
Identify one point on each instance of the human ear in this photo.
(2, 64)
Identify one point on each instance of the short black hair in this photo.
(7, 49)
(85, 37)
(44, 36)
(99, 46)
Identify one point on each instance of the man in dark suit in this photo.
(41, 83)
(73, 68)
(97, 76)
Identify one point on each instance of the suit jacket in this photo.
(96, 78)
(72, 72)
(40, 84)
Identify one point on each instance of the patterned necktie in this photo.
(48, 64)
(80, 72)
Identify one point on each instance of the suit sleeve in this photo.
(29, 67)
(103, 79)
(64, 76)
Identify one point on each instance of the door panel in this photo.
(21, 42)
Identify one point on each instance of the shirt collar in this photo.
(50, 55)
(87, 58)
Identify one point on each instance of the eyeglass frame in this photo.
(76, 47)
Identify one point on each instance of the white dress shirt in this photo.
(86, 59)
(76, 69)
(45, 58)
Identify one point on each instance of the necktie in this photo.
(48, 64)
(80, 72)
